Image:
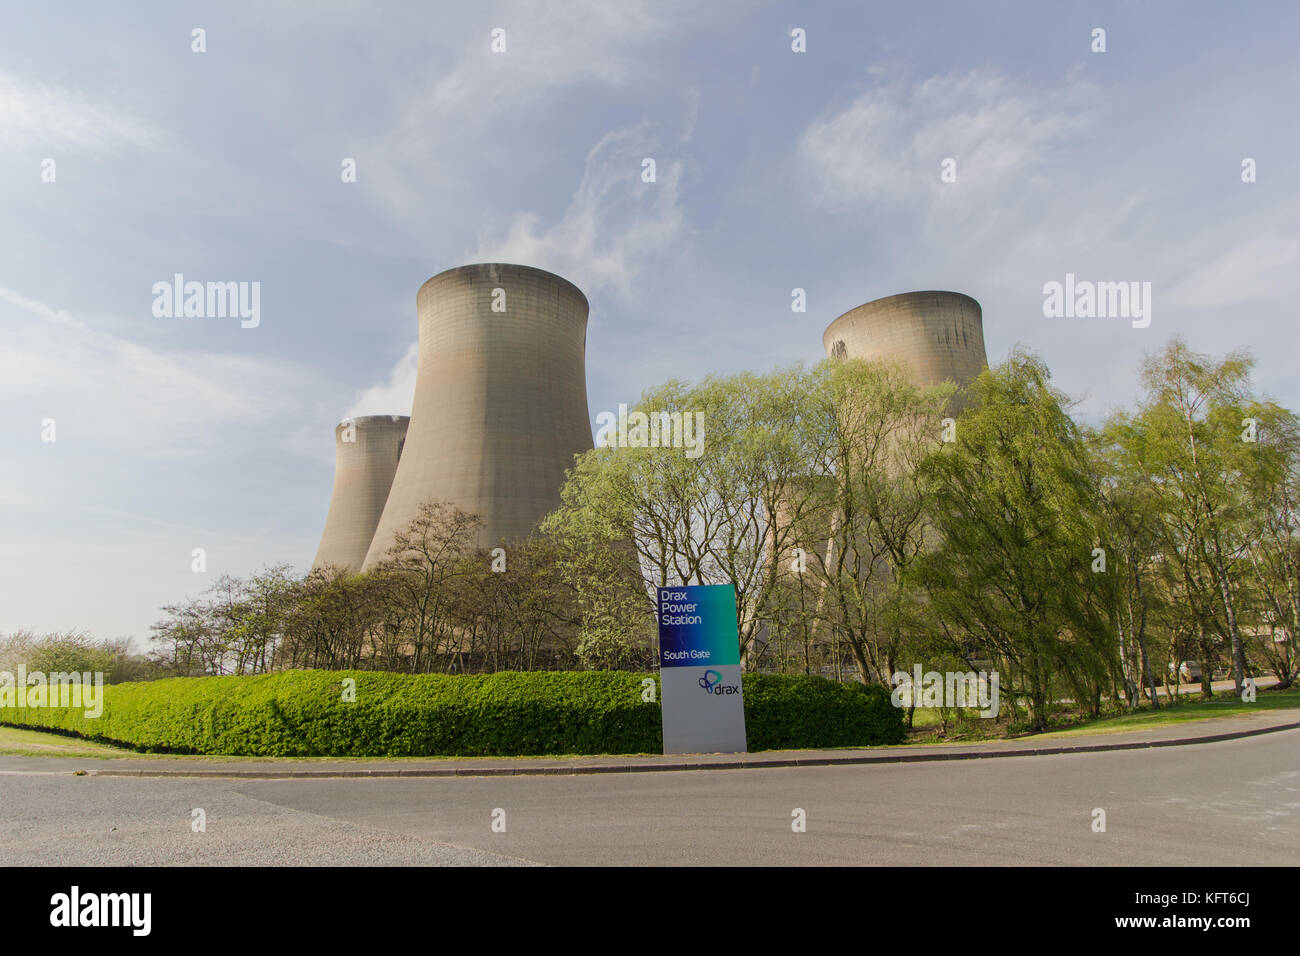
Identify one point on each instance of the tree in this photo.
(330, 620)
(874, 429)
(1187, 437)
(424, 563)
(711, 518)
(1015, 515)
(513, 611)
(1274, 546)
(256, 627)
(1131, 528)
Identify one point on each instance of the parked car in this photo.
(1187, 672)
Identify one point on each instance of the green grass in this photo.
(34, 743)
(1224, 705)
(20, 742)
(926, 725)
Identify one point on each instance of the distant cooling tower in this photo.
(938, 335)
(366, 452)
(500, 400)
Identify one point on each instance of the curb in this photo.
(576, 770)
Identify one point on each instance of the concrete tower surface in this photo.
(500, 404)
(366, 453)
(938, 335)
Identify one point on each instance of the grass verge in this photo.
(927, 727)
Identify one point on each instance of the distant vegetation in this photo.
(75, 651)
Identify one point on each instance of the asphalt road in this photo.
(1222, 803)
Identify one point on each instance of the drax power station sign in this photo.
(699, 670)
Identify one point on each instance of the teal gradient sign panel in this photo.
(699, 674)
(697, 626)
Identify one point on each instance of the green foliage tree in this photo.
(1187, 438)
(707, 519)
(1014, 510)
(872, 431)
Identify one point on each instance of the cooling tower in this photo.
(938, 335)
(366, 452)
(500, 404)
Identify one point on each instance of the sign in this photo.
(699, 670)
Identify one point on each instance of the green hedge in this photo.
(302, 714)
(796, 711)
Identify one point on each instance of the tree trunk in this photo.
(1141, 638)
(1207, 675)
(1234, 633)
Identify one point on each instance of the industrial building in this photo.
(939, 336)
(366, 452)
(500, 406)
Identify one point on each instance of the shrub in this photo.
(303, 714)
(789, 711)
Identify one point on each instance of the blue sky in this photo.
(775, 170)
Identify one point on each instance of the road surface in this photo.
(1234, 802)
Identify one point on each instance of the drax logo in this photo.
(712, 684)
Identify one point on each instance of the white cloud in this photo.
(614, 224)
(886, 146)
(393, 396)
(613, 228)
(146, 401)
(1258, 269)
(46, 116)
(553, 53)
(156, 452)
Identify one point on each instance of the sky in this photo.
(775, 170)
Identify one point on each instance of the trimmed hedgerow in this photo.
(796, 711)
(303, 714)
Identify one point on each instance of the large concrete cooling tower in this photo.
(938, 335)
(366, 452)
(500, 400)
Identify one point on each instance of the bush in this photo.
(302, 714)
(794, 711)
